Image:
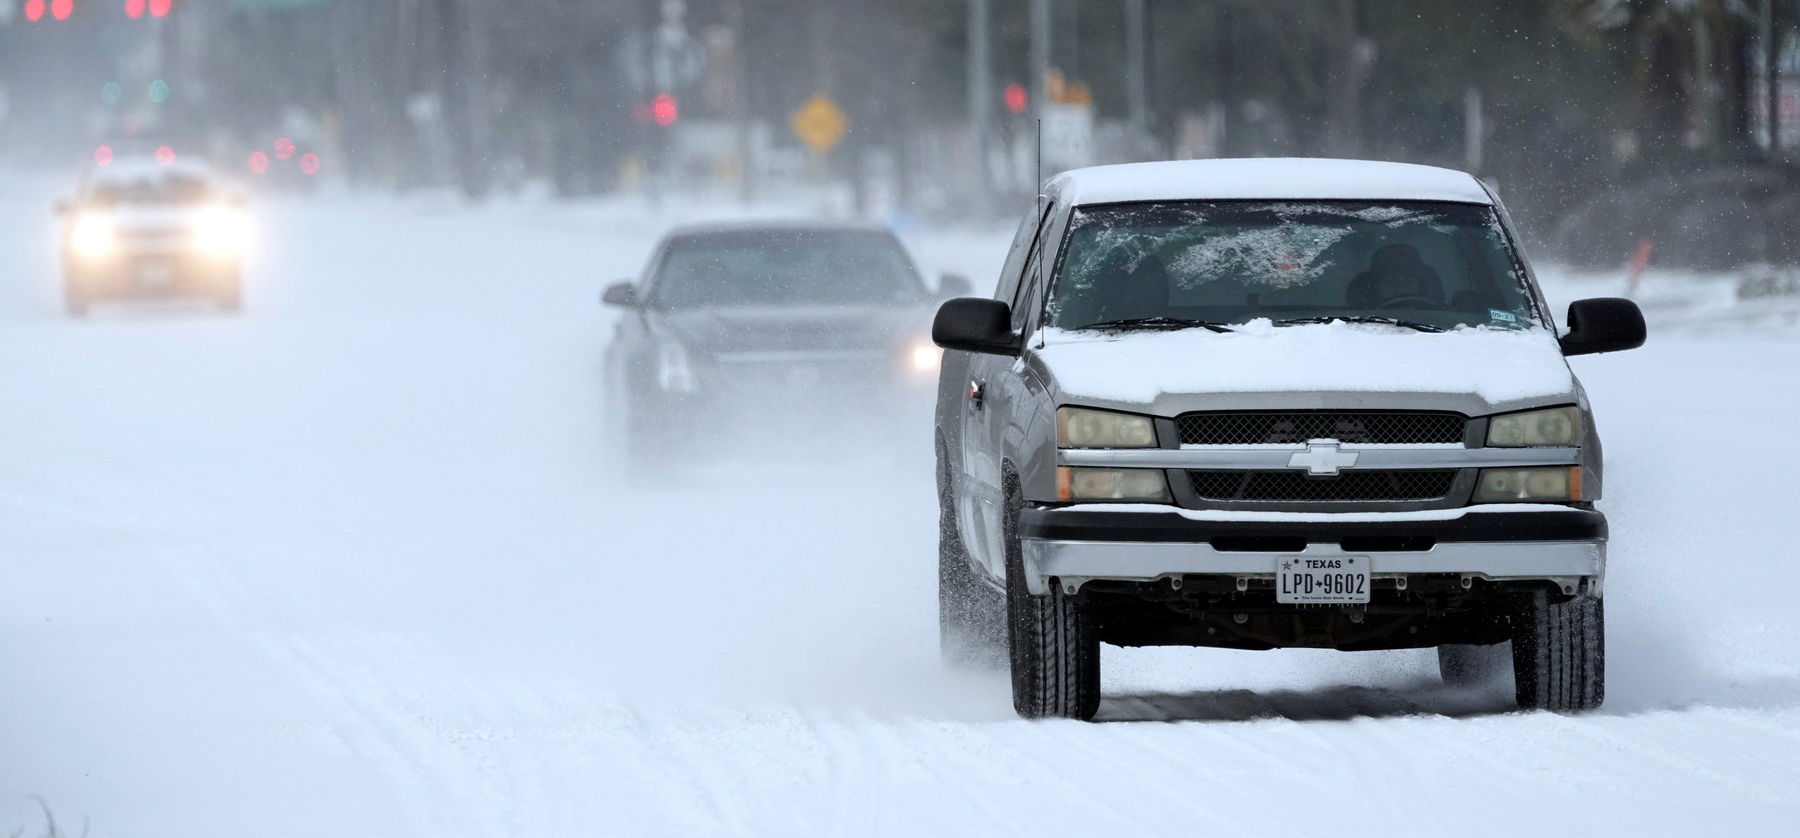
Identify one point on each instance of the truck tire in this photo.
(1054, 649)
(1559, 652)
(1466, 665)
(971, 614)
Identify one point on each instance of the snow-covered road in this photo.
(354, 564)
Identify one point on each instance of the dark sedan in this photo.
(815, 319)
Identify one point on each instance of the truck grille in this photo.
(1363, 428)
(1296, 486)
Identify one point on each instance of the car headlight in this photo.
(221, 231)
(674, 373)
(1503, 485)
(924, 357)
(1558, 426)
(93, 236)
(1081, 427)
(1139, 484)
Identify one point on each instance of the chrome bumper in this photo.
(1570, 564)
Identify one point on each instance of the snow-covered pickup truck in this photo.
(1271, 403)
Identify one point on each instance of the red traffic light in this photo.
(165, 156)
(1015, 97)
(134, 9)
(284, 148)
(61, 9)
(259, 162)
(103, 156)
(159, 8)
(664, 110)
(34, 10)
(309, 164)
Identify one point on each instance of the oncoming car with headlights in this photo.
(138, 228)
(782, 326)
(1256, 404)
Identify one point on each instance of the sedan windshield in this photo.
(155, 189)
(1424, 266)
(785, 267)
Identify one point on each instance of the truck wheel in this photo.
(971, 621)
(1464, 665)
(1055, 650)
(1559, 652)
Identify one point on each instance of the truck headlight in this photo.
(221, 232)
(1140, 484)
(1502, 485)
(1558, 426)
(1081, 427)
(93, 237)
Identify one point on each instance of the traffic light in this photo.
(664, 110)
(135, 9)
(1016, 97)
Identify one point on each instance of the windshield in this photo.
(1425, 265)
(153, 189)
(785, 267)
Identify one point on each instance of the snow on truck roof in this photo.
(1272, 178)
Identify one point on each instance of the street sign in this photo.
(820, 124)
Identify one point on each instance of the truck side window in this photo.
(1008, 287)
(1031, 281)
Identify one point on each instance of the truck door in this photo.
(985, 413)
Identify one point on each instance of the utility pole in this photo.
(981, 99)
(740, 89)
(1137, 76)
(1222, 49)
(1772, 75)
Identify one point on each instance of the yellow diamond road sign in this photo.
(820, 123)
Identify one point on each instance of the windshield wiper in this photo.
(1363, 318)
(1158, 322)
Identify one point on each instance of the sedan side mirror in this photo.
(620, 294)
(973, 324)
(954, 285)
(1603, 324)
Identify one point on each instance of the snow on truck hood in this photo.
(1493, 365)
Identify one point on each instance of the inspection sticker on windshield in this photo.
(1497, 316)
(1309, 580)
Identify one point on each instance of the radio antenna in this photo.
(1037, 187)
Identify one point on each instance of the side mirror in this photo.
(1603, 324)
(954, 285)
(620, 294)
(973, 324)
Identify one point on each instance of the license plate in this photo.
(1306, 580)
(156, 275)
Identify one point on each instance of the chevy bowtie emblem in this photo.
(1323, 458)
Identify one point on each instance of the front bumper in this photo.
(1073, 545)
(151, 274)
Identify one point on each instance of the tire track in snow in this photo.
(372, 732)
